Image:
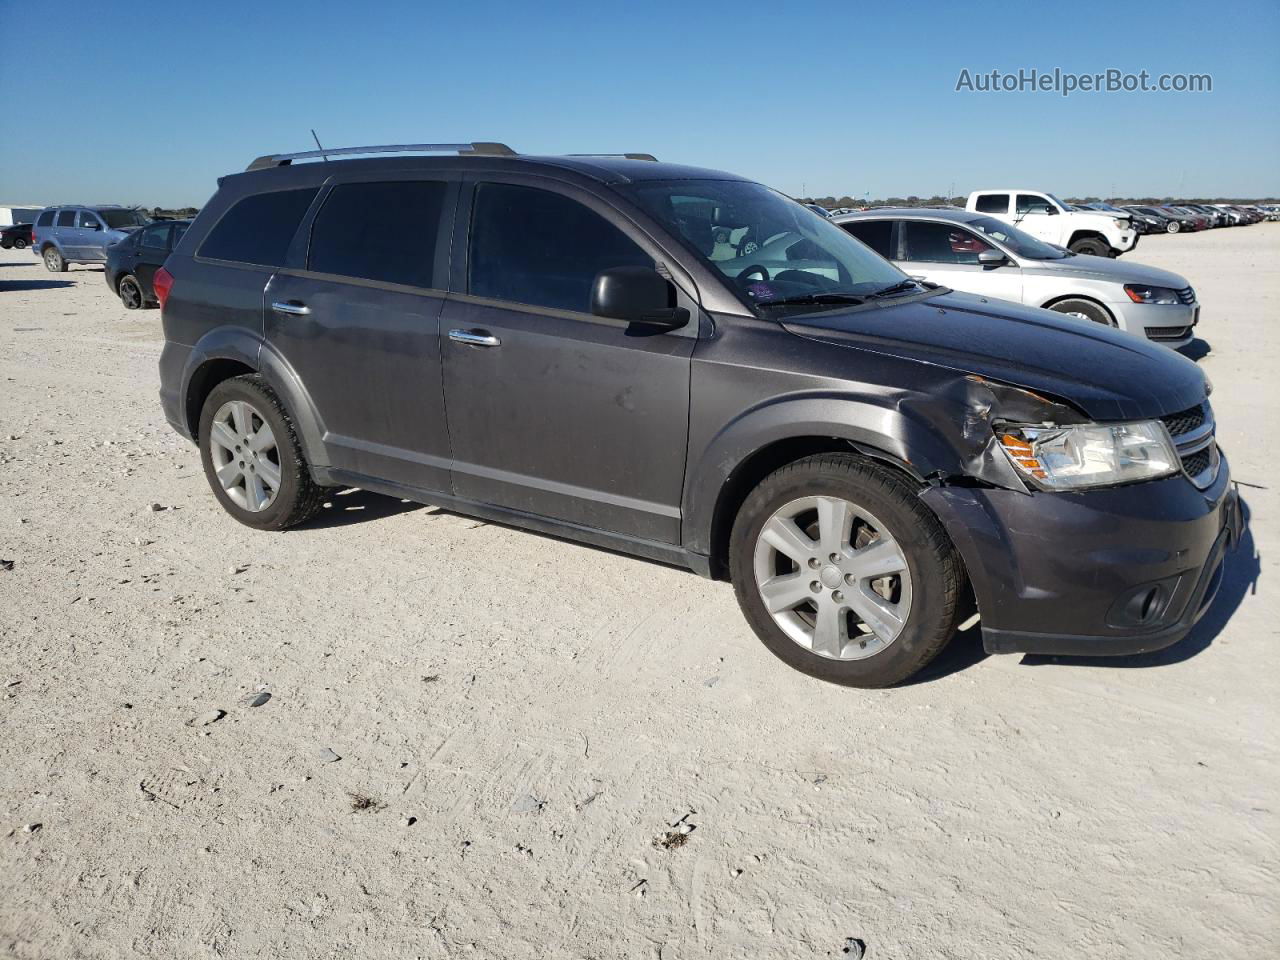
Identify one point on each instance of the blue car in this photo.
(75, 234)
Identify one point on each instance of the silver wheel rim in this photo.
(51, 259)
(833, 578)
(245, 457)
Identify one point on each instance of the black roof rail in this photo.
(625, 156)
(464, 149)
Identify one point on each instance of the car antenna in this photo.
(317, 140)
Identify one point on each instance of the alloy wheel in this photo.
(833, 578)
(130, 293)
(245, 456)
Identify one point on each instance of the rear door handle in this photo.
(293, 307)
(474, 338)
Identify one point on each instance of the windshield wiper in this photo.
(809, 298)
(894, 288)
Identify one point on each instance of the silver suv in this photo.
(76, 234)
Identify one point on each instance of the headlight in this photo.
(1144, 293)
(1089, 454)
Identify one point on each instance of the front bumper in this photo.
(1172, 324)
(1105, 572)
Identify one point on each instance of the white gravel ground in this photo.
(525, 716)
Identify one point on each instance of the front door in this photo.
(1037, 216)
(359, 323)
(947, 253)
(553, 411)
(89, 236)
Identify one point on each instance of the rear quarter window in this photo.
(258, 229)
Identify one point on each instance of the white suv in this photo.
(1047, 218)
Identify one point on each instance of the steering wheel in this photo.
(755, 268)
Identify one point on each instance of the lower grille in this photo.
(1198, 462)
(1168, 333)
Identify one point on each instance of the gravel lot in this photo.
(484, 742)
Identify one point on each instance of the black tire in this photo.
(54, 261)
(1091, 246)
(937, 573)
(130, 292)
(19, 244)
(1085, 310)
(299, 497)
(1173, 227)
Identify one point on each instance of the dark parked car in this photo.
(132, 263)
(688, 366)
(16, 236)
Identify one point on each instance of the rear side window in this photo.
(258, 229)
(380, 231)
(993, 203)
(155, 237)
(178, 230)
(46, 219)
(66, 218)
(541, 248)
(876, 234)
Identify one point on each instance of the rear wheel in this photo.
(1085, 310)
(130, 293)
(20, 244)
(54, 261)
(843, 573)
(252, 457)
(1091, 246)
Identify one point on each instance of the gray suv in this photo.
(77, 234)
(690, 367)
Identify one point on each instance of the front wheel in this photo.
(252, 457)
(54, 261)
(1084, 310)
(1089, 245)
(1173, 227)
(843, 573)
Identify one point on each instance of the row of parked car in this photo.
(690, 367)
(1175, 218)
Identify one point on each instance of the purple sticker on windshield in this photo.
(760, 290)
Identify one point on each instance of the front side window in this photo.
(1033, 203)
(942, 243)
(156, 237)
(993, 203)
(258, 229)
(46, 219)
(773, 252)
(123, 219)
(1022, 244)
(89, 221)
(876, 234)
(541, 248)
(379, 231)
(66, 218)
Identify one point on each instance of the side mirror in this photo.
(93, 225)
(1051, 211)
(990, 259)
(639, 295)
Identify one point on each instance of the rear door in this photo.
(358, 320)
(148, 253)
(947, 253)
(553, 411)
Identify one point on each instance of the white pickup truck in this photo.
(1046, 217)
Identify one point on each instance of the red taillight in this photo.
(162, 283)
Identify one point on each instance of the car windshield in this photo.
(122, 219)
(1022, 244)
(774, 252)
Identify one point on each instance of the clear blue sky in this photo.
(140, 102)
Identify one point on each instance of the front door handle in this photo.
(292, 307)
(474, 338)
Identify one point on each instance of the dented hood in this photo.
(1107, 374)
